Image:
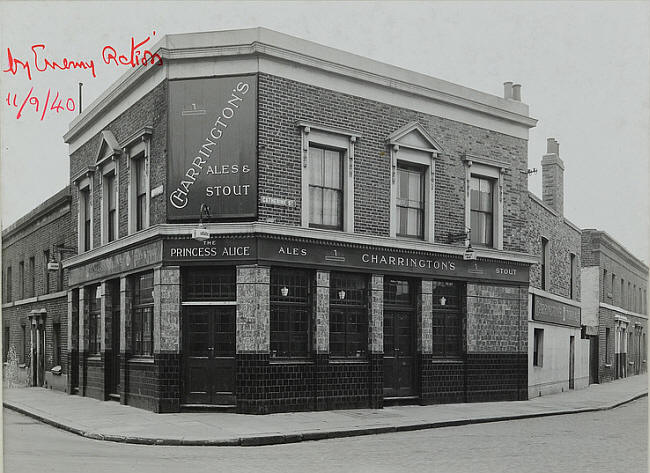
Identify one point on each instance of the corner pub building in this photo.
(266, 224)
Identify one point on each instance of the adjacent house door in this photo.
(209, 348)
(572, 362)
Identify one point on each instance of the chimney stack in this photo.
(507, 90)
(553, 177)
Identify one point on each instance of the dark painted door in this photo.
(593, 359)
(209, 349)
(572, 362)
(399, 359)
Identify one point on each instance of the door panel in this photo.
(209, 348)
(398, 353)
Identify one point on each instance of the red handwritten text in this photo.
(42, 64)
(54, 102)
(110, 56)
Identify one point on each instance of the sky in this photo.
(584, 69)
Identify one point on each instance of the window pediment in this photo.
(108, 147)
(413, 135)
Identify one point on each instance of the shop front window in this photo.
(348, 315)
(290, 313)
(142, 322)
(447, 319)
(94, 316)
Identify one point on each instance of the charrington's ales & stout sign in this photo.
(212, 148)
(555, 312)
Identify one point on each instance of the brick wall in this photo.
(150, 110)
(282, 102)
(564, 239)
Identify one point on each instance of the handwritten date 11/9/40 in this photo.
(52, 103)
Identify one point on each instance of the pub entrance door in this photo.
(399, 338)
(209, 348)
(113, 387)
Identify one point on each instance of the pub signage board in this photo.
(555, 312)
(286, 252)
(212, 149)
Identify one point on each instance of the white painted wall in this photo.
(590, 294)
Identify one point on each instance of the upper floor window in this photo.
(622, 300)
(85, 218)
(544, 259)
(46, 273)
(572, 274)
(326, 188)
(109, 207)
(21, 280)
(8, 285)
(140, 193)
(410, 202)
(484, 200)
(327, 177)
(482, 211)
(32, 276)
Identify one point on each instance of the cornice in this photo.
(262, 229)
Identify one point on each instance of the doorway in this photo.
(209, 348)
(399, 337)
(572, 362)
(113, 387)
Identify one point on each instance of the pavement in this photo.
(114, 422)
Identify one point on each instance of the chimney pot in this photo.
(507, 90)
(552, 146)
(516, 92)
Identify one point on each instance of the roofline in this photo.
(541, 203)
(613, 244)
(57, 200)
(264, 42)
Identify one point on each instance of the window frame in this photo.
(573, 269)
(138, 155)
(320, 136)
(490, 243)
(347, 309)
(545, 255)
(94, 320)
(140, 310)
(9, 285)
(422, 211)
(341, 209)
(283, 305)
(110, 173)
(487, 168)
(84, 207)
(448, 312)
(21, 280)
(31, 270)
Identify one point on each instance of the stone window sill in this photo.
(349, 361)
(289, 361)
(448, 360)
(95, 357)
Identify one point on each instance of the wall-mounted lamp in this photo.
(201, 233)
(443, 300)
(284, 291)
(341, 294)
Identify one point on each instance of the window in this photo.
(410, 202)
(5, 346)
(572, 273)
(607, 344)
(32, 276)
(140, 193)
(348, 315)
(85, 218)
(628, 302)
(46, 273)
(544, 263)
(56, 344)
(613, 287)
(605, 282)
(210, 284)
(21, 280)
(8, 285)
(142, 322)
(447, 319)
(290, 313)
(622, 300)
(538, 347)
(25, 347)
(327, 177)
(325, 188)
(482, 211)
(109, 200)
(94, 320)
